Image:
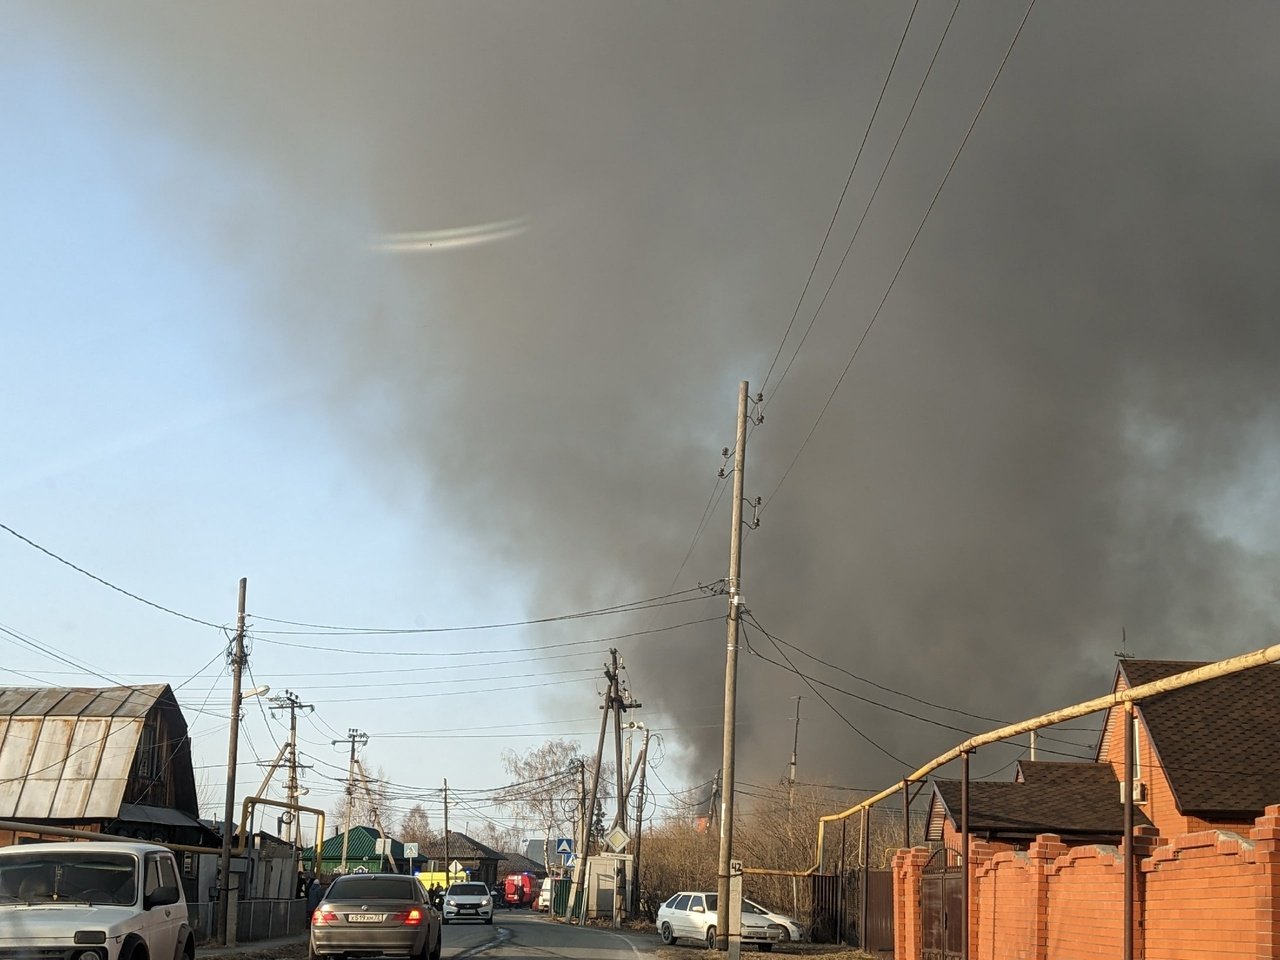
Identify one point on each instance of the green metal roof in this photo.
(361, 845)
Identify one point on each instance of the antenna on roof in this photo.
(1123, 653)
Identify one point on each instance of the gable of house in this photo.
(85, 753)
(1206, 754)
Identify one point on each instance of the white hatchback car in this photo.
(692, 915)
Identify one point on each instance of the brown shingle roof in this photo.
(1069, 799)
(1218, 739)
(461, 847)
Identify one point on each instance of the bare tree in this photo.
(543, 795)
(415, 826)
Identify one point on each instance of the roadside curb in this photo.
(255, 946)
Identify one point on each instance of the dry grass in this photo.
(783, 950)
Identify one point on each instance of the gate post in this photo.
(908, 866)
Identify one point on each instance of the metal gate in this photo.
(879, 937)
(827, 917)
(941, 909)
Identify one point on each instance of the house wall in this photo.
(1160, 806)
(1211, 895)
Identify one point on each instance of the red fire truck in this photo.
(519, 889)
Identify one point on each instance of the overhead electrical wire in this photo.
(896, 692)
(331, 630)
(471, 653)
(832, 707)
(906, 255)
(107, 583)
(872, 197)
(840, 202)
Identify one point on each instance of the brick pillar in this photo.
(1266, 838)
(982, 900)
(1041, 855)
(908, 865)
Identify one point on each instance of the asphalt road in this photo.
(525, 935)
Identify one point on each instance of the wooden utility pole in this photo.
(448, 874)
(238, 659)
(353, 736)
(734, 585)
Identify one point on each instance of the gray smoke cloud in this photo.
(1062, 424)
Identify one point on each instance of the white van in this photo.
(544, 895)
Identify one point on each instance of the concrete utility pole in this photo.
(293, 703)
(448, 875)
(734, 585)
(353, 736)
(238, 659)
(635, 843)
(795, 746)
(377, 816)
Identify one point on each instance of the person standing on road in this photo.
(316, 893)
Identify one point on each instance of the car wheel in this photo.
(667, 936)
(711, 938)
(134, 949)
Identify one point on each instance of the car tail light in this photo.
(323, 916)
(412, 918)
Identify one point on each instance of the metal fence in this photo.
(255, 919)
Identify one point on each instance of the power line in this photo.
(872, 197)
(849, 723)
(665, 600)
(902, 263)
(471, 653)
(849, 179)
(107, 583)
(895, 692)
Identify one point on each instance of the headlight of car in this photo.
(484, 902)
(452, 903)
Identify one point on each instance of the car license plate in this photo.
(468, 909)
(366, 917)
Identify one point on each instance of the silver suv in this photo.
(94, 901)
(468, 901)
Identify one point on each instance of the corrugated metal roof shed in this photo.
(67, 753)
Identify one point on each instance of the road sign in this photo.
(569, 859)
(455, 867)
(564, 845)
(617, 839)
(410, 850)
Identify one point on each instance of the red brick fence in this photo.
(1211, 895)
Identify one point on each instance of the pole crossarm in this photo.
(1210, 671)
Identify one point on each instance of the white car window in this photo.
(681, 902)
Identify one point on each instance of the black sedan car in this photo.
(375, 915)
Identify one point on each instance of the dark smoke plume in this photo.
(1061, 426)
